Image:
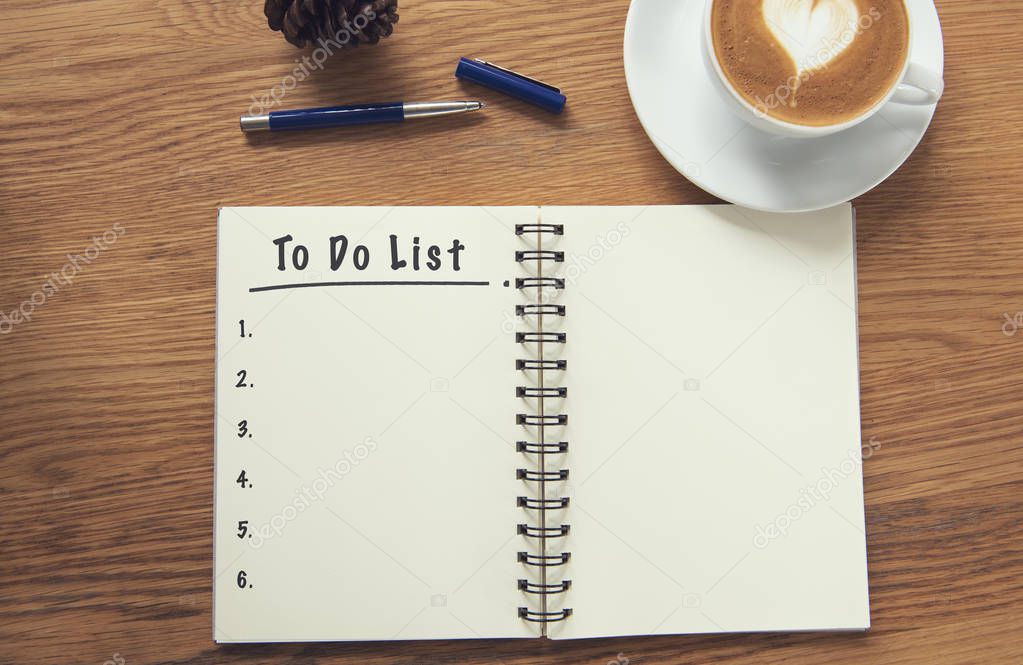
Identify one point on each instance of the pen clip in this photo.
(516, 74)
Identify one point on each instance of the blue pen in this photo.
(360, 114)
(512, 83)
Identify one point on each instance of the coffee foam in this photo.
(812, 32)
(811, 62)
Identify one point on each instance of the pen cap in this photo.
(511, 83)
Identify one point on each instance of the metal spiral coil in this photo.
(539, 282)
(546, 448)
(539, 310)
(553, 229)
(544, 589)
(542, 506)
(559, 365)
(544, 617)
(539, 255)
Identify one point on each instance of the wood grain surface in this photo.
(122, 116)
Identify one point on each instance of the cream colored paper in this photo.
(713, 422)
(382, 460)
(713, 392)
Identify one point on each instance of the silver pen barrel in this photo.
(434, 109)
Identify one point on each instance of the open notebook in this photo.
(514, 422)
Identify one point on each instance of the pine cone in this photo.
(340, 22)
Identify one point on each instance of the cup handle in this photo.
(920, 87)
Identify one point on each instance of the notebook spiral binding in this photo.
(541, 452)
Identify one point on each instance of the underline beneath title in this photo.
(320, 285)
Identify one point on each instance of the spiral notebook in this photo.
(512, 422)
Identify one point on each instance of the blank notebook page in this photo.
(714, 421)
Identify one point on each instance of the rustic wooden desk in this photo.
(123, 116)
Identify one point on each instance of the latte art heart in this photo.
(812, 32)
(817, 63)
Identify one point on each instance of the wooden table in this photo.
(121, 117)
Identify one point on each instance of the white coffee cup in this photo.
(917, 85)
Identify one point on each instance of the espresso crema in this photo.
(811, 62)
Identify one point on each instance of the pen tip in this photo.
(478, 106)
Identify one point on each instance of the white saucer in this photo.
(697, 133)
